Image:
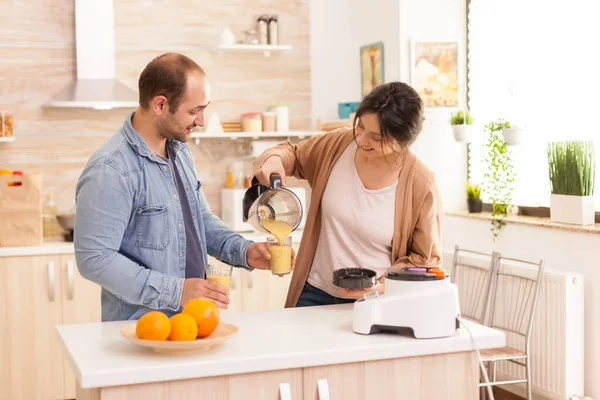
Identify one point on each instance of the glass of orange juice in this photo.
(281, 255)
(220, 274)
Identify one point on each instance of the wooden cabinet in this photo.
(38, 293)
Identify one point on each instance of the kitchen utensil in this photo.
(354, 278)
(264, 205)
(223, 333)
(426, 303)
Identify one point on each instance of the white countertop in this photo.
(267, 340)
(53, 248)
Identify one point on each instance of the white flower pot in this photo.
(513, 136)
(463, 133)
(575, 210)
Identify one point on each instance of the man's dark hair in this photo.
(166, 75)
(399, 110)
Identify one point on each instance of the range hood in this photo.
(95, 86)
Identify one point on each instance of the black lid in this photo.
(354, 278)
(412, 276)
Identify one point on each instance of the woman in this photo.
(374, 204)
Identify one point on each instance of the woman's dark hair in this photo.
(399, 111)
(166, 75)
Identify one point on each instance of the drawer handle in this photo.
(323, 389)
(51, 280)
(70, 278)
(285, 391)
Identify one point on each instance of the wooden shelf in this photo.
(266, 49)
(253, 135)
(7, 139)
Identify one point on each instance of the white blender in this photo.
(427, 303)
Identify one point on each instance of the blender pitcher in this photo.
(275, 210)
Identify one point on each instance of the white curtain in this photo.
(535, 63)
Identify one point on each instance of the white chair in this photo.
(513, 303)
(472, 273)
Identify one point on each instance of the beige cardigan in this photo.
(418, 215)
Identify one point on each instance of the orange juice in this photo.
(223, 280)
(281, 259)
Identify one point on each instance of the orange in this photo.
(206, 314)
(183, 327)
(154, 325)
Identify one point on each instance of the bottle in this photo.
(273, 29)
(229, 182)
(263, 28)
(52, 230)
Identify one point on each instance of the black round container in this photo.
(354, 278)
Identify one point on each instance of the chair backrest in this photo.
(515, 293)
(472, 273)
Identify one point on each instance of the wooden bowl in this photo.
(223, 332)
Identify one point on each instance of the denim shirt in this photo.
(129, 233)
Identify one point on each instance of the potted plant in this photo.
(462, 126)
(474, 202)
(500, 175)
(512, 134)
(571, 169)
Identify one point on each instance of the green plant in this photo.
(571, 167)
(458, 118)
(500, 175)
(473, 191)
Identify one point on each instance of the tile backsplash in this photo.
(38, 59)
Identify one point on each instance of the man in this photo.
(143, 228)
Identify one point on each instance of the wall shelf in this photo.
(266, 49)
(253, 135)
(7, 139)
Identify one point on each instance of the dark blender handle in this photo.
(275, 181)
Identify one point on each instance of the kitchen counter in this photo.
(277, 340)
(53, 248)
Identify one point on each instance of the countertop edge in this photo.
(60, 248)
(308, 359)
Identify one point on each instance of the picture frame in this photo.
(435, 72)
(371, 67)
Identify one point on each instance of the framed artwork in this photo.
(434, 72)
(371, 67)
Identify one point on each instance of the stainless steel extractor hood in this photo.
(95, 86)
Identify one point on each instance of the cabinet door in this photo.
(342, 381)
(31, 366)
(81, 305)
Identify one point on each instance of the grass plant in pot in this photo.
(474, 202)
(571, 169)
(462, 126)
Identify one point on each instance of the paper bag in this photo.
(21, 210)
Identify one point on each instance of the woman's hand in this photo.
(357, 294)
(273, 165)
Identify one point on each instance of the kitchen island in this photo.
(303, 353)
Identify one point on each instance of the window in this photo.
(536, 64)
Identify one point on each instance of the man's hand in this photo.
(357, 294)
(197, 288)
(258, 256)
(271, 166)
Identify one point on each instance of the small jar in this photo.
(273, 30)
(263, 29)
(268, 121)
(283, 117)
(252, 122)
(6, 124)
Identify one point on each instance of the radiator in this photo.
(557, 352)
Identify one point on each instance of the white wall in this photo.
(338, 28)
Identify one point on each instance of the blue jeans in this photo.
(312, 296)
